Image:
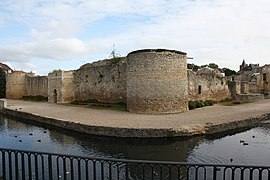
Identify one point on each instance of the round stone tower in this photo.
(157, 81)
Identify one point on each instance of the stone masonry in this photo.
(151, 81)
(157, 82)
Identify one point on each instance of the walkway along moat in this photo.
(208, 120)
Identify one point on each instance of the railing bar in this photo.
(71, 169)
(4, 164)
(23, 165)
(152, 171)
(102, 170)
(10, 164)
(50, 166)
(43, 168)
(260, 173)
(170, 172)
(143, 171)
(188, 172)
(214, 173)
(57, 168)
(65, 168)
(196, 174)
(87, 169)
(16, 166)
(29, 165)
(126, 168)
(36, 165)
(251, 174)
(233, 174)
(110, 171)
(160, 174)
(242, 173)
(79, 169)
(117, 169)
(94, 169)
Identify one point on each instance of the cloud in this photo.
(58, 49)
(220, 31)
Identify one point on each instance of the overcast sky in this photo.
(43, 35)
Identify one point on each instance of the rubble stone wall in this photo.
(207, 87)
(157, 82)
(36, 85)
(103, 81)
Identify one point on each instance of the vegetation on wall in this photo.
(199, 104)
(227, 71)
(2, 84)
(35, 98)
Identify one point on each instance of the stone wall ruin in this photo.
(103, 81)
(151, 81)
(157, 82)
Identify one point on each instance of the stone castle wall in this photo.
(207, 87)
(153, 81)
(37, 85)
(103, 81)
(60, 87)
(16, 85)
(157, 82)
(265, 83)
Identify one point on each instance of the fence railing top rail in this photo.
(174, 163)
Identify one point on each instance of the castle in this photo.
(149, 81)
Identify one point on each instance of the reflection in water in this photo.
(225, 149)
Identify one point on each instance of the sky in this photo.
(44, 35)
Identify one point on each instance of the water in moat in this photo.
(227, 149)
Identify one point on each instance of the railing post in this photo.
(23, 166)
(50, 166)
(215, 173)
(4, 164)
(126, 170)
(10, 164)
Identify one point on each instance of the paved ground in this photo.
(194, 120)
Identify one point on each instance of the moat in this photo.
(222, 149)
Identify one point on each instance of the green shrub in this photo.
(199, 104)
(191, 105)
(237, 102)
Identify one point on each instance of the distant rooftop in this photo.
(5, 67)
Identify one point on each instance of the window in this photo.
(200, 90)
(264, 76)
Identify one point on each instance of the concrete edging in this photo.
(135, 132)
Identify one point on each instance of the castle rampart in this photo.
(103, 81)
(207, 86)
(36, 85)
(16, 85)
(60, 87)
(151, 81)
